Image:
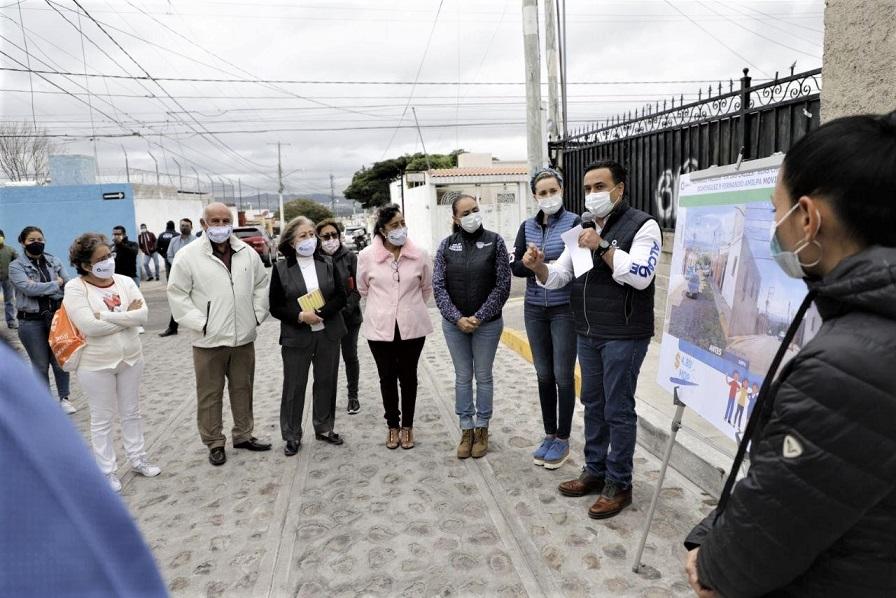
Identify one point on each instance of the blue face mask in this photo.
(398, 237)
(789, 261)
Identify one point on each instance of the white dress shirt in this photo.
(635, 268)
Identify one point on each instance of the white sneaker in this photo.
(140, 329)
(146, 469)
(114, 482)
(67, 406)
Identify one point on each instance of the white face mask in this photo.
(219, 234)
(789, 261)
(306, 247)
(398, 237)
(104, 269)
(551, 205)
(471, 222)
(330, 246)
(600, 204)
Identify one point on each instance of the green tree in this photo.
(370, 186)
(307, 208)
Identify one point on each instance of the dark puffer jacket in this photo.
(816, 514)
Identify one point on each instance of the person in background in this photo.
(201, 227)
(330, 234)
(549, 322)
(162, 245)
(733, 387)
(174, 246)
(307, 336)
(219, 290)
(612, 305)
(7, 255)
(396, 278)
(39, 279)
(126, 254)
(147, 244)
(815, 515)
(107, 309)
(56, 502)
(471, 283)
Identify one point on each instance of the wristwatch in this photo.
(603, 247)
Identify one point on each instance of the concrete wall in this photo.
(859, 57)
(156, 212)
(418, 213)
(65, 212)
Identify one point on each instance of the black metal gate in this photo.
(658, 144)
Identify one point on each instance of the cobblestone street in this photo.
(360, 519)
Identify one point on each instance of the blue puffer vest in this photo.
(547, 238)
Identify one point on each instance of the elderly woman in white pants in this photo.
(108, 310)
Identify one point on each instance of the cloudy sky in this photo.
(334, 80)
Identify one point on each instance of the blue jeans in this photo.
(552, 339)
(147, 271)
(34, 335)
(473, 354)
(609, 377)
(9, 298)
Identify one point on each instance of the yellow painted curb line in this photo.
(518, 342)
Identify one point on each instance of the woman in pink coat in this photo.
(396, 278)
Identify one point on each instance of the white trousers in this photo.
(110, 392)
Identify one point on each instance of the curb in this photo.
(698, 462)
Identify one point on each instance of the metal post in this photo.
(280, 190)
(198, 188)
(127, 168)
(745, 129)
(553, 60)
(332, 195)
(676, 425)
(180, 176)
(534, 141)
(239, 183)
(158, 189)
(563, 61)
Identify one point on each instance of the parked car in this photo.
(356, 238)
(693, 286)
(260, 241)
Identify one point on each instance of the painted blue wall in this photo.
(64, 212)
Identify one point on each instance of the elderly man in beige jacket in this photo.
(218, 289)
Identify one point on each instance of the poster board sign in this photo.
(728, 304)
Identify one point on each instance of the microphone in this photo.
(588, 220)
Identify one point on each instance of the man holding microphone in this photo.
(612, 305)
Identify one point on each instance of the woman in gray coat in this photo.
(308, 335)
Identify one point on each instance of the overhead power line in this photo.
(347, 82)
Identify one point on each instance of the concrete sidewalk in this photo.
(361, 520)
(702, 453)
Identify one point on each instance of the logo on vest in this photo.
(456, 247)
(480, 244)
(645, 271)
(793, 448)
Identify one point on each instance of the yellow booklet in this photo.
(312, 301)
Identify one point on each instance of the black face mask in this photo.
(185, 231)
(36, 248)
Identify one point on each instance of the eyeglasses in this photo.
(329, 236)
(395, 275)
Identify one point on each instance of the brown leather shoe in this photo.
(480, 443)
(611, 501)
(406, 437)
(586, 483)
(392, 439)
(465, 448)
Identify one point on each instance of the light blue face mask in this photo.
(789, 261)
(398, 237)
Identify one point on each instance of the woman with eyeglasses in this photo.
(330, 234)
(39, 279)
(108, 309)
(309, 334)
(396, 278)
(471, 282)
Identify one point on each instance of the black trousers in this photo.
(396, 362)
(323, 355)
(350, 357)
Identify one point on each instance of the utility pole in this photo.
(239, 183)
(332, 195)
(534, 140)
(552, 55)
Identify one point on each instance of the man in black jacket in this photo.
(816, 514)
(162, 245)
(125, 254)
